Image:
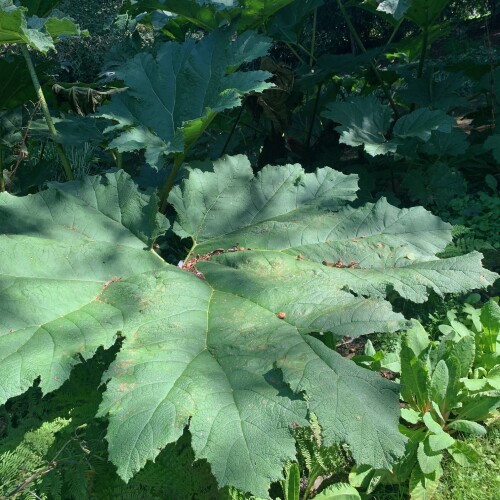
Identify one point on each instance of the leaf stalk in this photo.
(233, 128)
(167, 187)
(46, 113)
(2, 180)
(179, 158)
(423, 52)
(311, 125)
(313, 41)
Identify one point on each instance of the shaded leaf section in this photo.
(287, 24)
(365, 121)
(202, 357)
(15, 85)
(61, 249)
(421, 12)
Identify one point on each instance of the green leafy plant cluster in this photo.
(21, 26)
(448, 387)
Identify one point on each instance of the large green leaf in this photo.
(441, 144)
(14, 28)
(425, 12)
(442, 94)
(440, 185)
(421, 122)
(53, 270)
(366, 121)
(174, 96)
(229, 355)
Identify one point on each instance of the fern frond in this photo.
(315, 459)
(24, 466)
(464, 241)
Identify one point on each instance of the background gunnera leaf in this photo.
(225, 350)
(173, 96)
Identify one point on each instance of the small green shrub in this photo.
(448, 387)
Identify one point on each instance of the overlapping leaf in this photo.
(427, 92)
(366, 121)
(421, 12)
(174, 96)
(229, 355)
(184, 13)
(422, 122)
(211, 14)
(446, 144)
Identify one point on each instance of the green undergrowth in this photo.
(480, 481)
(52, 448)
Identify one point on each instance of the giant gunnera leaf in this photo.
(172, 97)
(224, 344)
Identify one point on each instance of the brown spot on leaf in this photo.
(103, 289)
